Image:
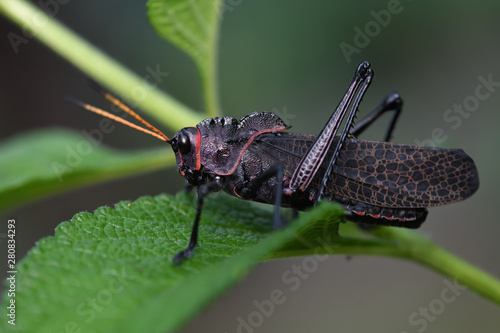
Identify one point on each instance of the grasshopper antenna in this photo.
(153, 131)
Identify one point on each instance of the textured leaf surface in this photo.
(111, 271)
(48, 161)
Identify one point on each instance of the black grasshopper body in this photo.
(255, 158)
(377, 182)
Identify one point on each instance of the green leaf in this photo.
(193, 26)
(49, 161)
(111, 271)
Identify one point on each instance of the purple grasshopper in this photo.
(378, 183)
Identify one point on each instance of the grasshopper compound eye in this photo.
(183, 143)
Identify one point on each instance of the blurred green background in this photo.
(285, 56)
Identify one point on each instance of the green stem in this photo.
(414, 246)
(209, 77)
(210, 88)
(99, 66)
(446, 263)
(408, 244)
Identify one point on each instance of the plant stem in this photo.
(98, 65)
(210, 88)
(416, 247)
(209, 77)
(408, 244)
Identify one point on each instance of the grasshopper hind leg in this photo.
(392, 102)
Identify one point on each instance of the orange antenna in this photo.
(153, 130)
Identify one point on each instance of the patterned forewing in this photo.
(382, 173)
(285, 148)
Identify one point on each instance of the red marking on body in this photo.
(236, 194)
(245, 147)
(198, 147)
